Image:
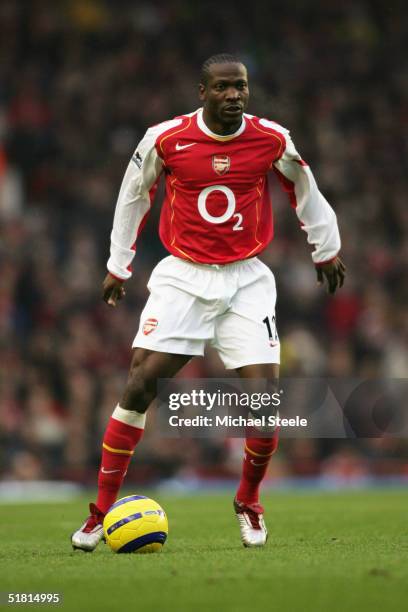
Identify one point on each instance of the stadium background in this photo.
(79, 83)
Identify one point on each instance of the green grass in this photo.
(327, 552)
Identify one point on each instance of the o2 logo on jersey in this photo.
(229, 212)
(149, 325)
(221, 164)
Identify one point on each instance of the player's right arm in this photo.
(132, 208)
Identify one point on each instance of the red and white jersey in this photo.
(217, 207)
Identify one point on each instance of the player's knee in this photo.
(267, 413)
(266, 419)
(265, 399)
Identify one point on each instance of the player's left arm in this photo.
(316, 216)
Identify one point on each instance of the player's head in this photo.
(223, 88)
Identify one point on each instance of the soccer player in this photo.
(215, 219)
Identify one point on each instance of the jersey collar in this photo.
(206, 130)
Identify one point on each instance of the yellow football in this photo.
(135, 524)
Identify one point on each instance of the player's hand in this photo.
(113, 290)
(333, 272)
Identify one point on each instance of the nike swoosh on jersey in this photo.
(179, 147)
(108, 471)
(257, 464)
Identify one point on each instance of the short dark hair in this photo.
(219, 58)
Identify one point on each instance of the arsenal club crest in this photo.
(221, 163)
(149, 326)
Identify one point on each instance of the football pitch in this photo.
(326, 552)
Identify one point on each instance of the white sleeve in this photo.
(133, 204)
(315, 214)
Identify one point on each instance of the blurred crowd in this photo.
(80, 81)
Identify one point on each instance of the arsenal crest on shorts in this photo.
(221, 163)
(149, 325)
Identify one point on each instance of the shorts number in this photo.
(231, 203)
(273, 336)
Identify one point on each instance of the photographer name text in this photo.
(237, 421)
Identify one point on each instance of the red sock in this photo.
(118, 446)
(258, 452)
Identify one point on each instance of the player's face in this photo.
(226, 94)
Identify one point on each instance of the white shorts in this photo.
(230, 306)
